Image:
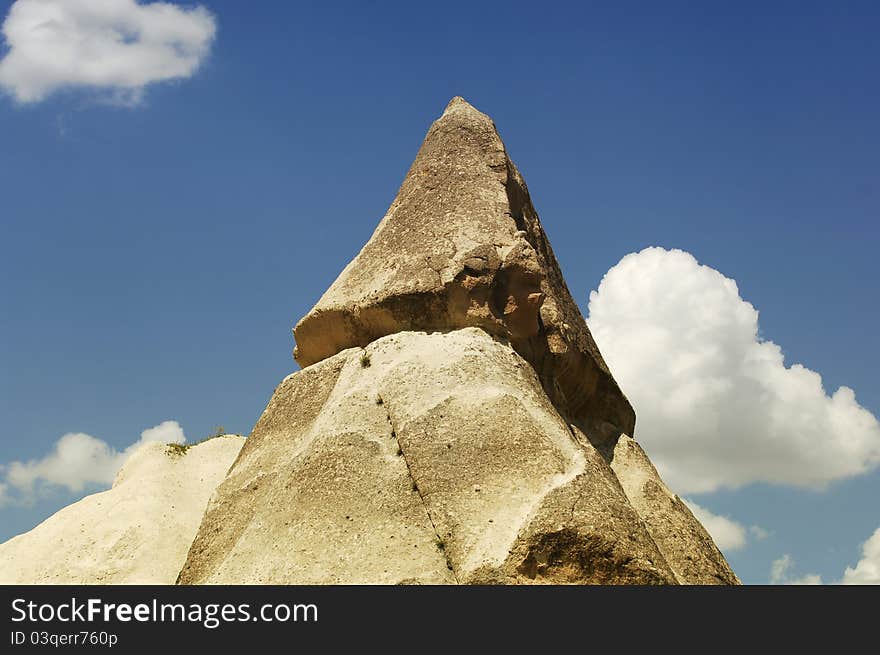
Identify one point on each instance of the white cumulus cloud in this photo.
(119, 46)
(782, 572)
(78, 460)
(727, 534)
(716, 405)
(867, 571)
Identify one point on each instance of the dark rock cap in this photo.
(462, 246)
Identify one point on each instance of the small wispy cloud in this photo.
(117, 47)
(782, 572)
(759, 533)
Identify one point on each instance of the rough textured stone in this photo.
(460, 246)
(454, 422)
(137, 532)
(684, 542)
(318, 495)
(431, 458)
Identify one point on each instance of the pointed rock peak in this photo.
(459, 105)
(457, 101)
(462, 246)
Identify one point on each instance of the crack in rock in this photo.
(441, 544)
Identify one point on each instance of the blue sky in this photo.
(157, 249)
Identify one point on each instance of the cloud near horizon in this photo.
(116, 46)
(76, 461)
(867, 570)
(717, 406)
(782, 572)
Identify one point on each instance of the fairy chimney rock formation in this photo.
(462, 246)
(453, 421)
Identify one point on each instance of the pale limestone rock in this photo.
(137, 532)
(684, 542)
(460, 246)
(454, 421)
(427, 458)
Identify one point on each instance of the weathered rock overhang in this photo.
(467, 249)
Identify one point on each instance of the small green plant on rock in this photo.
(177, 449)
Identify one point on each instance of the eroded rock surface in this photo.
(684, 542)
(460, 246)
(137, 532)
(454, 422)
(425, 458)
